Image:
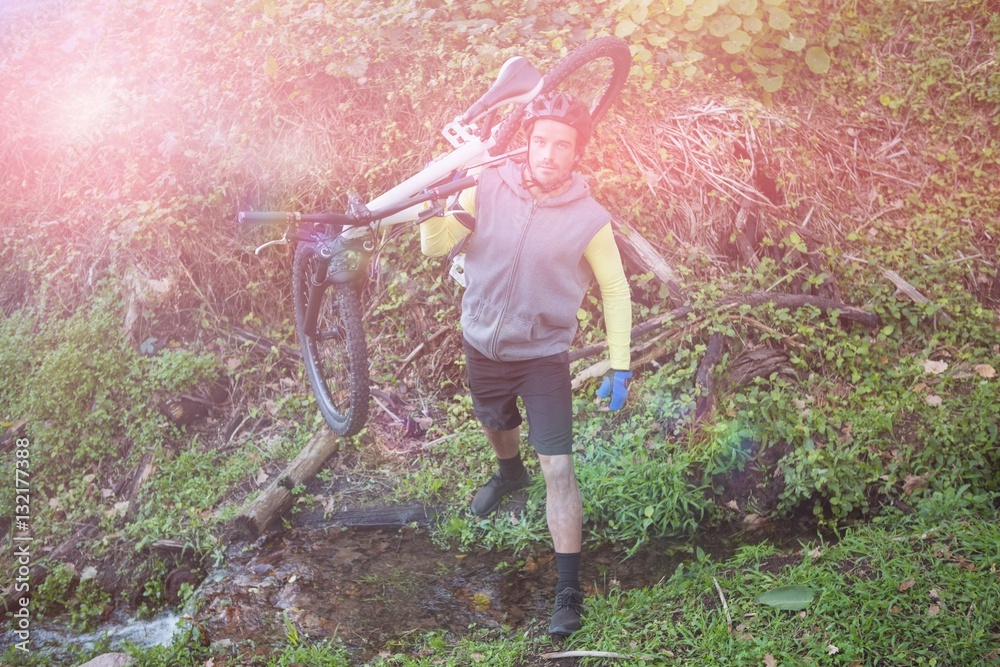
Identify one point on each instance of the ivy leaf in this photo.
(625, 28)
(752, 24)
(704, 8)
(743, 7)
(818, 60)
(779, 19)
(771, 84)
(787, 598)
(738, 41)
(720, 26)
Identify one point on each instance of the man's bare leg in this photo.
(563, 506)
(505, 444)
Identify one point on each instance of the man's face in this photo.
(551, 150)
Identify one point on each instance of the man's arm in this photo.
(606, 262)
(439, 235)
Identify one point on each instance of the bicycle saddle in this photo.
(518, 81)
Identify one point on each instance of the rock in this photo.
(109, 660)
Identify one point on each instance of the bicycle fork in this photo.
(339, 261)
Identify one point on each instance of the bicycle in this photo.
(334, 250)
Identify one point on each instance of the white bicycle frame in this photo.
(470, 151)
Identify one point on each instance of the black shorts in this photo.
(544, 387)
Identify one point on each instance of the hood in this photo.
(510, 173)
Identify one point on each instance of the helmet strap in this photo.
(530, 181)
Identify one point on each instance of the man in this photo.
(538, 240)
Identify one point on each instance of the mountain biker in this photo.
(538, 239)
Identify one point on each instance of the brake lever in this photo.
(435, 210)
(282, 241)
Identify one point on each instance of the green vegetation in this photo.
(863, 135)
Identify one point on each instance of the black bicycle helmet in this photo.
(563, 108)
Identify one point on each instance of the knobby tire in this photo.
(594, 73)
(336, 358)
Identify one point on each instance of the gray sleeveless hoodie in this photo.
(525, 266)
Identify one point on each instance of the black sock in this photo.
(568, 566)
(512, 468)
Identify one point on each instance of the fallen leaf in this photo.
(933, 399)
(935, 367)
(985, 371)
(920, 386)
(787, 598)
(261, 477)
(89, 572)
(832, 650)
(733, 505)
(933, 610)
(934, 594)
(815, 553)
(769, 661)
(913, 482)
(107, 493)
(906, 585)
(894, 609)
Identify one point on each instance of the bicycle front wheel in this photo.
(335, 354)
(593, 73)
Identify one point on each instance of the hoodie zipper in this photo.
(510, 279)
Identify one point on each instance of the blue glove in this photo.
(615, 383)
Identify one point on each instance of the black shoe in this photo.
(489, 496)
(566, 617)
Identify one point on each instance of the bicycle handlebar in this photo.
(342, 219)
(286, 216)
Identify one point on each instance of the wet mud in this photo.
(372, 586)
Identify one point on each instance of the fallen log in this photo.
(276, 499)
(640, 251)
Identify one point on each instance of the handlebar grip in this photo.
(265, 216)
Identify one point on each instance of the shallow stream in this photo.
(373, 586)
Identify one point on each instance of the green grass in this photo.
(917, 590)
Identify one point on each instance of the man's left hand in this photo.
(616, 384)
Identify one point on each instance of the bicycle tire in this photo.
(594, 73)
(336, 358)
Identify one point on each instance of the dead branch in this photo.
(264, 344)
(418, 349)
(845, 312)
(910, 291)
